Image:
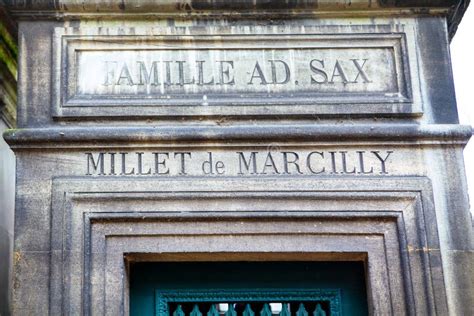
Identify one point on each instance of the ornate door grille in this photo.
(248, 303)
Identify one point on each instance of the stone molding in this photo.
(393, 229)
(394, 87)
(72, 9)
(55, 137)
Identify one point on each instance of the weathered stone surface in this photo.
(229, 66)
(246, 215)
(73, 97)
(159, 132)
(130, 197)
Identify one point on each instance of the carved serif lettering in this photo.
(233, 72)
(239, 163)
(222, 73)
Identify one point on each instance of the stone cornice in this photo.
(455, 16)
(220, 5)
(56, 137)
(68, 9)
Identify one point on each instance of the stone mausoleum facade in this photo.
(239, 158)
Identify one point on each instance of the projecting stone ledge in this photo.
(55, 137)
(186, 5)
(452, 9)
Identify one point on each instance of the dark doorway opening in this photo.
(262, 288)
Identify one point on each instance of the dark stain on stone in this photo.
(122, 5)
(248, 5)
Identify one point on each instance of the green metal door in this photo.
(248, 289)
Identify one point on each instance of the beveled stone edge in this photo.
(221, 5)
(57, 137)
(70, 42)
(419, 187)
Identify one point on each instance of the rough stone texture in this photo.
(115, 172)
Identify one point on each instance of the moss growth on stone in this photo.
(8, 74)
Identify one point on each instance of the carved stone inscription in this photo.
(293, 70)
(165, 72)
(239, 163)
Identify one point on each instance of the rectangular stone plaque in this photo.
(231, 74)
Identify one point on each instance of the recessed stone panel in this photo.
(280, 72)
